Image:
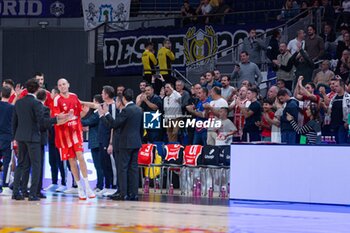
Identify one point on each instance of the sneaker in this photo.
(97, 190)
(81, 193)
(101, 192)
(6, 192)
(71, 191)
(61, 188)
(90, 193)
(109, 192)
(51, 187)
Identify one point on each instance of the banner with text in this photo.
(40, 8)
(122, 51)
(96, 12)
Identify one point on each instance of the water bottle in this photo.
(228, 188)
(157, 184)
(210, 192)
(199, 190)
(223, 192)
(194, 191)
(146, 187)
(349, 124)
(171, 189)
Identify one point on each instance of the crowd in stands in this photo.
(212, 11)
(309, 98)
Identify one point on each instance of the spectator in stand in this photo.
(10, 83)
(203, 80)
(226, 90)
(246, 83)
(303, 64)
(246, 70)
(212, 112)
(227, 129)
(343, 45)
(281, 84)
(280, 64)
(275, 122)
(272, 93)
(217, 76)
(345, 59)
(328, 12)
(252, 115)
(204, 9)
(265, 125)
(150, 102)
(297, 43)
(306, 95)
(200, 133)
(210, 81)
(188, 13)
(343, 29)
(339, 108)
(6, 110)
(185, 96)
(288, 135)
(90, 122)
(254, 47)
(344, 73)
(312, 129)
(192, 103)
(345, 11)
(314, 44)
(273, 47)
(290, 9)
(172, 111)
(142, 86)
(325, 75)
(222, 8)
(328, 37)
(235, 106)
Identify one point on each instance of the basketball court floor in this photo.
(169, 214)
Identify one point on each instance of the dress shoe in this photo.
(33, 198)
(119, 197)
(41, 196)
(17, 197)
(25, 194)
(133, 198)
(114, 195)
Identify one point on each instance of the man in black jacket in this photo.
(129, 121)
(28, 117)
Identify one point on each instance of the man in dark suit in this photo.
(27, 119)
(129, 121)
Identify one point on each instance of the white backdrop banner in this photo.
(96, 12)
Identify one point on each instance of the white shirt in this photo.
(292, 45)
(217, 104)
(172, 106)
(226, 92)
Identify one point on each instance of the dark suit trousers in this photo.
(42, 155)
(129, 172)
(28, 157)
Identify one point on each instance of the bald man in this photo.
(69, 136)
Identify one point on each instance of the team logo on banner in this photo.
(199, 44)
(57, 9)
(97, 12)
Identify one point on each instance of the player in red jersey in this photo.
(41, 79)
(9, 83)
(69, 136)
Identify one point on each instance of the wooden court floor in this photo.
(157, 213)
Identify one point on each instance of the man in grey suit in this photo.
(129, 121)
